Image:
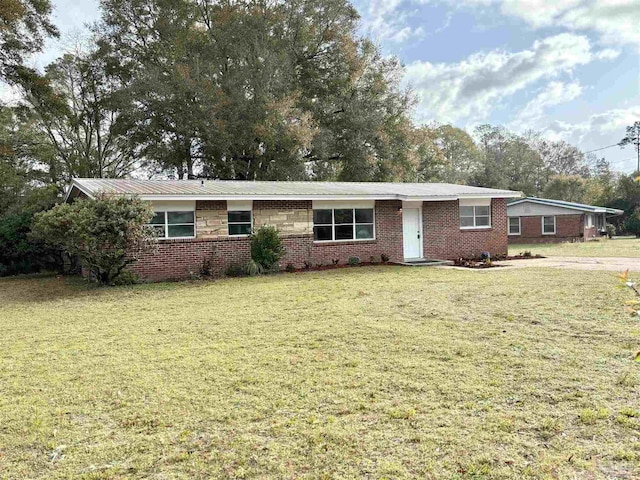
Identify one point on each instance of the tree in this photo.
(27, 179)
(76, 108)
(570, 188)
(633, 138)
(507, 161)
(257, 90)
(461, 158)
(632, 225)
(107, 234)
(24, 26)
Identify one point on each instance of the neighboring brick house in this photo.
(320, 222)
(540, 220)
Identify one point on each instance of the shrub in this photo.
(266, 247)
(632, 225)
(611, 230)
(335, 261)
(235, 270)
(206, 268)
(106, 233)
(384, 258)
(20, 253)
(126, 277)
(484, 256)
(307, 265)
(526, 254)
(290, 268)
(253, 268)
(354, 261)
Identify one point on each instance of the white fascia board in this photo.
(585, 210)
(433, 198)
(73, 185)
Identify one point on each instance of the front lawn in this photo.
(373, 372)
(617, 247)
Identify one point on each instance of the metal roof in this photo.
(571, 205)
(247, 190)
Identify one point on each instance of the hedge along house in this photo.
(320, 222)
(539, 220)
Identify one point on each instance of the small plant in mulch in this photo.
(354, 261)
(307, 265)
(290, 268)
(336, 261)
(384, 258)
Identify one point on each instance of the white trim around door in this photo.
(412, 231)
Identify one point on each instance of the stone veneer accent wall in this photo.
(289, 217)
(211, 219)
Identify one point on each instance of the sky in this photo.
(567, 68)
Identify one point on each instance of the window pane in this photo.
(239, 216)
(343, 216)
(179, 217)
(344, 232)
(466, 221)
(158, 218)
(514, 225)
(322, 217)
(364, 231)
(482, 221)
(364, 215)
(239, 229)
(180, 231)
(482, 211)
(466, 211)
(322, 233)
(548, 221)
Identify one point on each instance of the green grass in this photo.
(617, 247)
(376, 372)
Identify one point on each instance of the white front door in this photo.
(412, 233)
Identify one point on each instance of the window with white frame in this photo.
(341, 224)
(548, 225)
(239, 222)
(174, 224)
(476, 216)
(514, 225)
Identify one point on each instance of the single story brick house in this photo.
(540, 220)
(320, 222)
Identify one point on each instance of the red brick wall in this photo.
(568, 228)
(179, 259)
(443, 238)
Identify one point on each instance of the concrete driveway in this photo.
(614, 264)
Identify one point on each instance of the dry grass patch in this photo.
(378, 372)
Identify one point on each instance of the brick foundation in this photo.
(443, 239)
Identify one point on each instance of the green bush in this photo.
(266, 247)
(236, 271)
(632, 225)
(611, 230)
(20, 253)
(106, 233)
(253, 268)
(354, 261)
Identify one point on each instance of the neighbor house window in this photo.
(174, 224)
(475, 216)
(343, 224)
(548, 225)
(239, 222)
(514, 225)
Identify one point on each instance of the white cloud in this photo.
(470, 89)
(616, 21)
(598, 124)
(554, 93)
(386, 20)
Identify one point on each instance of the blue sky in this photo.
(567, 68)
